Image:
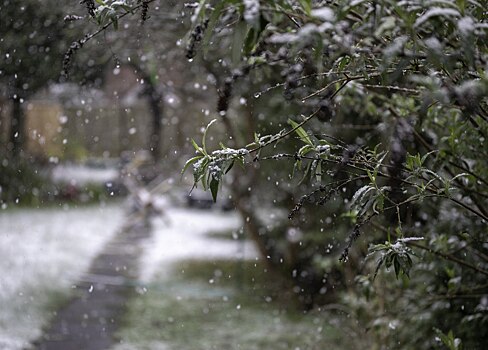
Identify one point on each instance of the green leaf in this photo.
(301, 132)
(436, 176)
(377, 167)
(304, 150)
(199, 173)
(343, 62)
(204, 138)
(424, 157)
(229, 167)
(366, 204)
(296, 166)
(371, 177)
(214, 188)
(449, 340)
(250, 40)
(201, 10)
(379, 204)
(389, 260)
(397, 266)
(190, 162)
(308, 169)
(306, 5)
(360, 194)
(197, 148)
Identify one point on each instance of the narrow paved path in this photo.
(90, 319)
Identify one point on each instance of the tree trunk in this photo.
(16, 128)
(155, 99)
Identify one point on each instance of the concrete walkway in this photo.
(90, 319)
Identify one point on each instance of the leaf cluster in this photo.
(210, 167)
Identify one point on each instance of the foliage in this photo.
(381, 107)
(210, 168)
(21, 183)
(30, 57)
(414, 75)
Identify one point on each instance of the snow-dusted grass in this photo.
(208, 293)
(42, 253)
(225, 304)
(82, 174)
(183, 235)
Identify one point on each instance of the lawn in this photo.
(225, 304)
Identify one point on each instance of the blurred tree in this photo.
(33, 35)
(150, 47)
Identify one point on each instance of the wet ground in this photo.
(69, 273)
(89, 320)
(191, 282)
(43, 253)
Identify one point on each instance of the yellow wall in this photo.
(43, 129)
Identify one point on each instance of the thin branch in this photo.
(456, 296)
(299, 125)
(78, 44)
(468, 208)
(287, 133)
(313, 75)
(286, 13)
(449, 257)
(104, 27)
(392, 88)
(481, 212)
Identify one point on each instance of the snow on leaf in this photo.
(199, 11)
(436, 12)
(190, 162)
(466, 26)
(396, 46)
(408, 239)
(282, 38)
(324, 13)
(361, 193)
(251, 11)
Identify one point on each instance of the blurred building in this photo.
(72, 122)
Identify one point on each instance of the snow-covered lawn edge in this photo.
(184, 235)
(43, 252)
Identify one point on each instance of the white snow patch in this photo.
(466, 26)
(396, 46)
(186, 237)
(80, 174)
(43, 252)
(436, 12)
(251, 11)
(324, 13)
(282, 38)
